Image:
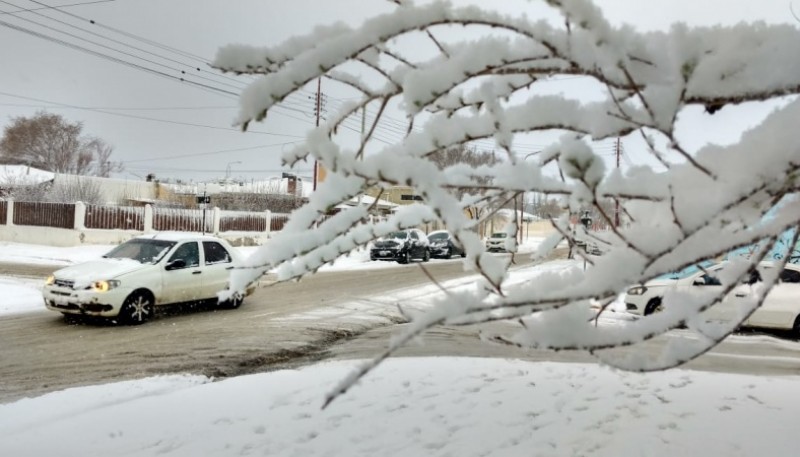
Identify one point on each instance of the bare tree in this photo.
(71, 189)
(707, 202)
(50, 142)
(99, 154)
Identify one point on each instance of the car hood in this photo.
(387, 243)
(99, 269)
(661, 283)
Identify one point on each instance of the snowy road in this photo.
(41, 353)
(340, 314)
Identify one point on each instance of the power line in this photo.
(133, 116)
(199, 154)
(135, 37)
(148, 42)
(120, 108)
(115, 59)
(59, 6)
(111, 48)
(212, 170)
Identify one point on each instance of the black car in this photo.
(401, 246)
(443, 246)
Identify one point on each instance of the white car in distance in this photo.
(499, 242)
(133, 278)
(780, 310)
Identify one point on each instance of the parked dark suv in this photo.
(401, 246)
(443, 246)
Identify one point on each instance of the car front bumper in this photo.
(385, 254)
(86, 302)
(501, 246)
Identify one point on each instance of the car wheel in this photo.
(235, 302)
(137, 309)
(404, 258)
(796, 328)
(426, 255)
(653, 306)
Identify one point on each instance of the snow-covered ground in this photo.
(409, 406)
(20, 295)
(416, 407)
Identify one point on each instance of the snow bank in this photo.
(415, 406)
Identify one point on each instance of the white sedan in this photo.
(133, 278)
(780, 310)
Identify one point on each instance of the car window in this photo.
(141, 250)
(215, 253)
(708, 280)
(414, 235)
(397, 236)
(441, 236)
(790, 276)
(688, 271)
(499, 235)
(190, 254)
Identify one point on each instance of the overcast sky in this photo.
(38, 74)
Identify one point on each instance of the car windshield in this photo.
(397, 236)
(499, 235)
(140, 250)
(441, 236)
(688, 271)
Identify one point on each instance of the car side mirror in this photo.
(176, 264)
(699, 282)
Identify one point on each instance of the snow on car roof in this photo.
(178, 236)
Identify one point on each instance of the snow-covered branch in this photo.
(707, 202)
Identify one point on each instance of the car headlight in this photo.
(104, 286)
(639, 290)
(50, 280)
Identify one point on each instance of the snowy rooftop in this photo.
(526, 217)
(179, 236)
(23, 175)
(273, 185)
(367, 200)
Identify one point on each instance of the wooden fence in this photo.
(183, 220)
(277, 222)
(234, 221)
(3, 212)
(60, 215)
(114, 217)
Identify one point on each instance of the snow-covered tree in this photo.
(698, 204)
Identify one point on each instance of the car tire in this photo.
(796, 328)
(404, 257)
(653, 306)
(137, 309)
(233, 303)
(426, 255)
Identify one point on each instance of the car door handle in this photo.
(229, 268)
(741, 294)
(196, 272)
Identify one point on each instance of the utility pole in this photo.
(363, 132)
(318, 108)
(617, 150)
